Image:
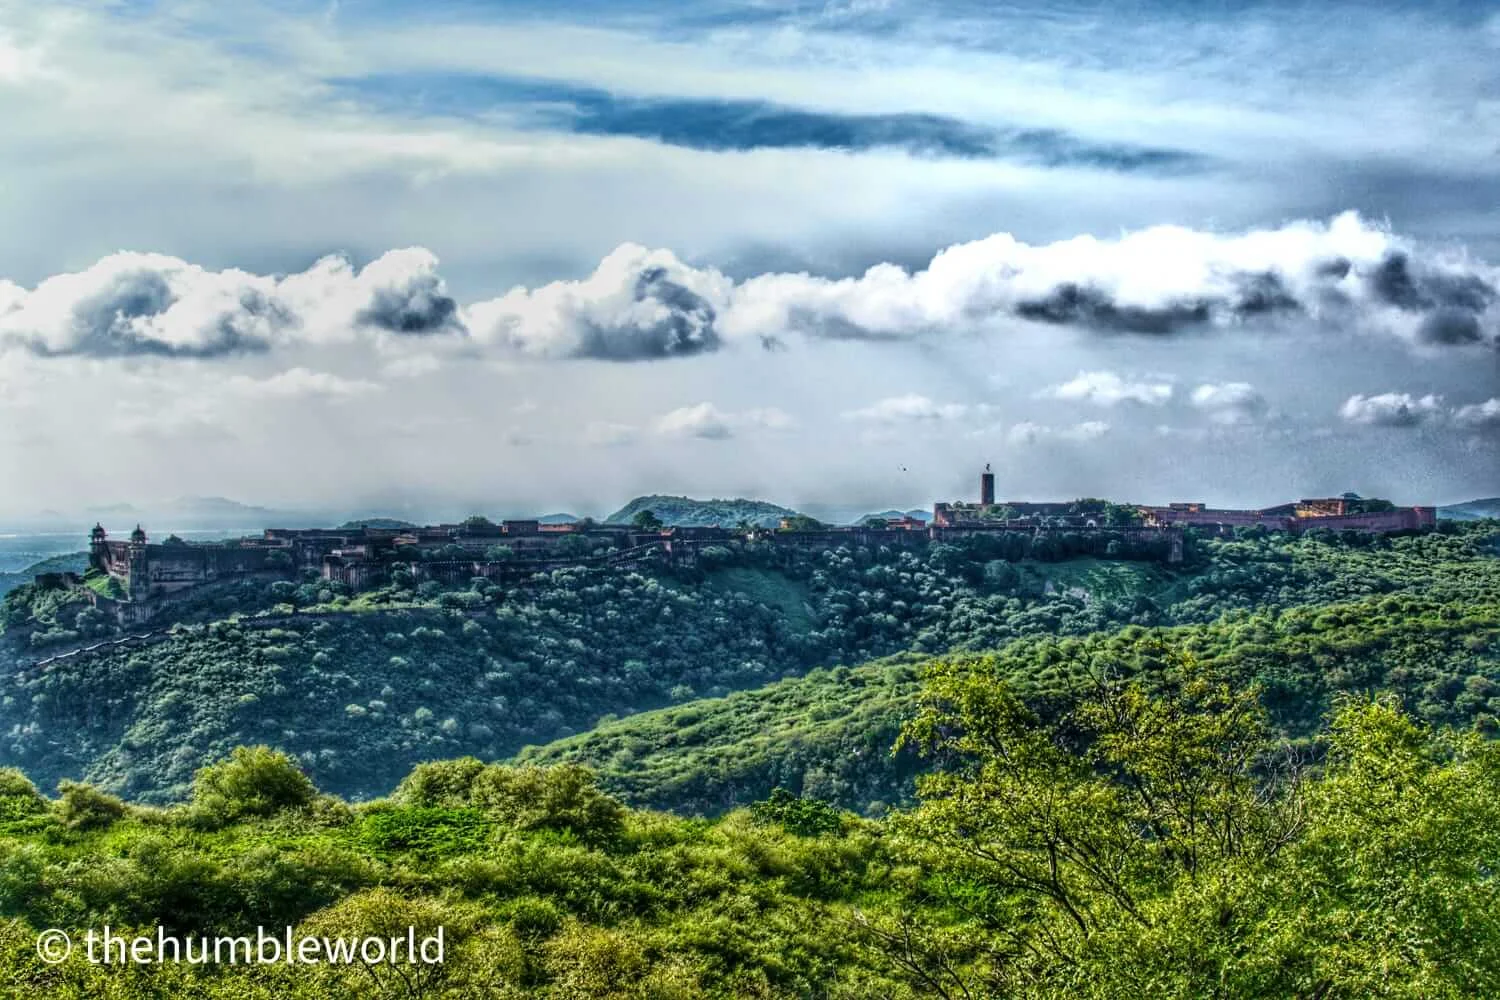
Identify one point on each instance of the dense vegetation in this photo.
(1054, 768)
(360, 687)
(825, 734)
(1156, 840)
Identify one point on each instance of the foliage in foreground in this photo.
(1154, 840)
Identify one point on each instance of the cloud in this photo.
(729, 125)
(911, 409)
(1483, 416)
(405, 294)
(136, 304)
(1392, 409)
(1230, 402)
(1109, 389)
(641, 304)
(1027, 433)
(144, 304)
(638, 305)
(300, 383)
(709, 422)
(1162, 280)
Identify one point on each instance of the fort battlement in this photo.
(149, 574)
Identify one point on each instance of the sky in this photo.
(522, 257)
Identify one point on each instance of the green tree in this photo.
(646, 520)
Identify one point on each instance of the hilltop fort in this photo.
(141, 576)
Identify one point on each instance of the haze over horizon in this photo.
(376, 256)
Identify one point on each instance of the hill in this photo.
(1473, 510)
(893, 515)
(689, 513)
(1162, 841)
(827, 735)
(74, 562)
(360, 687)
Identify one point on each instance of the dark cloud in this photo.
(1070, 304)
(1450, 327)
(1398, 282)
(735, 125)
(411, 311)
(686, 329)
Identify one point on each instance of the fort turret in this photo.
(138, 536)
(987, 488)
(99, 549)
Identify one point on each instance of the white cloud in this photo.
(638, 304)
(707, 421)
(912, 408)
(1392, 409)
(1479, 416)
(142, 304)
(1028, 433)
(642, 304)
(1109, 389)
(1230, 402)
(299, 382)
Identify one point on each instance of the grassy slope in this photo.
(829, 734)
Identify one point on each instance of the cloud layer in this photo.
(642, 304)
(1403, 409)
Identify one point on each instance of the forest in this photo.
(361, 687)
(1158, 838)
(958, 771)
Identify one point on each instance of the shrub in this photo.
(440, 783)
(563, 798)
(18, 796)
(84, 807)
(254, 781)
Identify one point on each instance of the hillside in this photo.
(362, 687)
(75, 562)
(827, 735)
(892, 515)
(1473, 510)
(1097, 857)
(689, 513)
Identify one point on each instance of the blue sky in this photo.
(699, 161)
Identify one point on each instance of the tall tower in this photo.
(138, 581)
(99, 549)
(987, 488)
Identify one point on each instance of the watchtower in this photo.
(987, 487)
(99, 548)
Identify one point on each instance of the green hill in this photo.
(360, 687)
(75, 562)
(689, 513)
(827, 735)
(1161, 841)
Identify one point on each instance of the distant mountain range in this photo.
(685, 512)
(1473, 510)
(212, 514)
